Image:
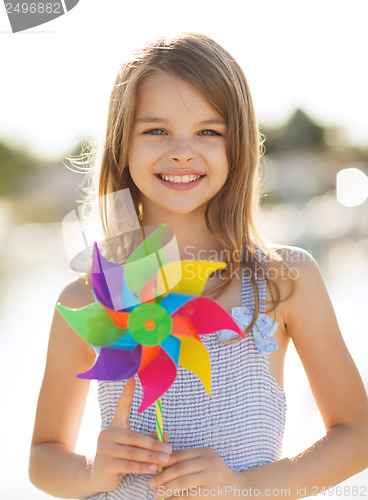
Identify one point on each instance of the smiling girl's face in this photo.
(177, 154)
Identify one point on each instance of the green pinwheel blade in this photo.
(145, 261)
(92, 323)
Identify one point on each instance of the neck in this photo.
(192, 235)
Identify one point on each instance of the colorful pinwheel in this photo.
(148, 318)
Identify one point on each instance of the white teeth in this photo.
(177, 179)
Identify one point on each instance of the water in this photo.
(34, 271)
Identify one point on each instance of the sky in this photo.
(56, 78)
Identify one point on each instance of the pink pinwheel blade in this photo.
(156, 378)
(207, 316)
(114, 364)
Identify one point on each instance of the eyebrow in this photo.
(157, 119)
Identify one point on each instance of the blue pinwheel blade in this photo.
(173, 301)
(125, 342)
(172, 346)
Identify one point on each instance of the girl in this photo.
(182, 135)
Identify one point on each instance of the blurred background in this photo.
(304, 64)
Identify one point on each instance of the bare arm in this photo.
(337, 389)
(60, 406)
(54, 466)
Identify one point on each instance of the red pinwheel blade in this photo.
(207, 316)
(114, 364)
(156, 378)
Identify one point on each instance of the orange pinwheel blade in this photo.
(149, 353)
(181, 325)
(119, 318)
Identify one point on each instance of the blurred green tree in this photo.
(15, 166)
(299, 132)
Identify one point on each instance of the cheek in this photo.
(144, 154)
(219, 161)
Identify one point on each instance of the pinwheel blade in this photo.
(174, 301)
(181, 325)
(194, 357)
(107, 279)
(149, 353)
(168, 276)
(114, 364)
(119, 318)
(92, 324)
(125, 342)
(145, 261)
(156, 378)
(172, 346)
(129, 300)
(207, 316)
(190, 276)
(148, 292)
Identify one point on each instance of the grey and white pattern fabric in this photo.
(243, 419)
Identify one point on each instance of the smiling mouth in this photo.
(179, 179)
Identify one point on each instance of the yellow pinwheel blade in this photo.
(194, 357)
(187, 276)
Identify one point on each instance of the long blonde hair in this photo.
(231, 214)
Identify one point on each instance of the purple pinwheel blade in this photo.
(207, 316)
(107, 278)
(114, 364)
(156, 378)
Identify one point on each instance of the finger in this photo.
(120, 466)
(184, 454)
(135, 454)
(127, 437)
(154, 436)
(186, 484)
(177, 473)
(124, 404)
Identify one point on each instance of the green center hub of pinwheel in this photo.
(149, 324)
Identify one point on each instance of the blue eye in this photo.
(209, 132)
(155, 131)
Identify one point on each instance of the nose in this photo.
(182, 152)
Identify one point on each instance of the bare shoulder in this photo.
(296, 264)
(296, 257)
(296, 274)
(76, 294)
(305, 287)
